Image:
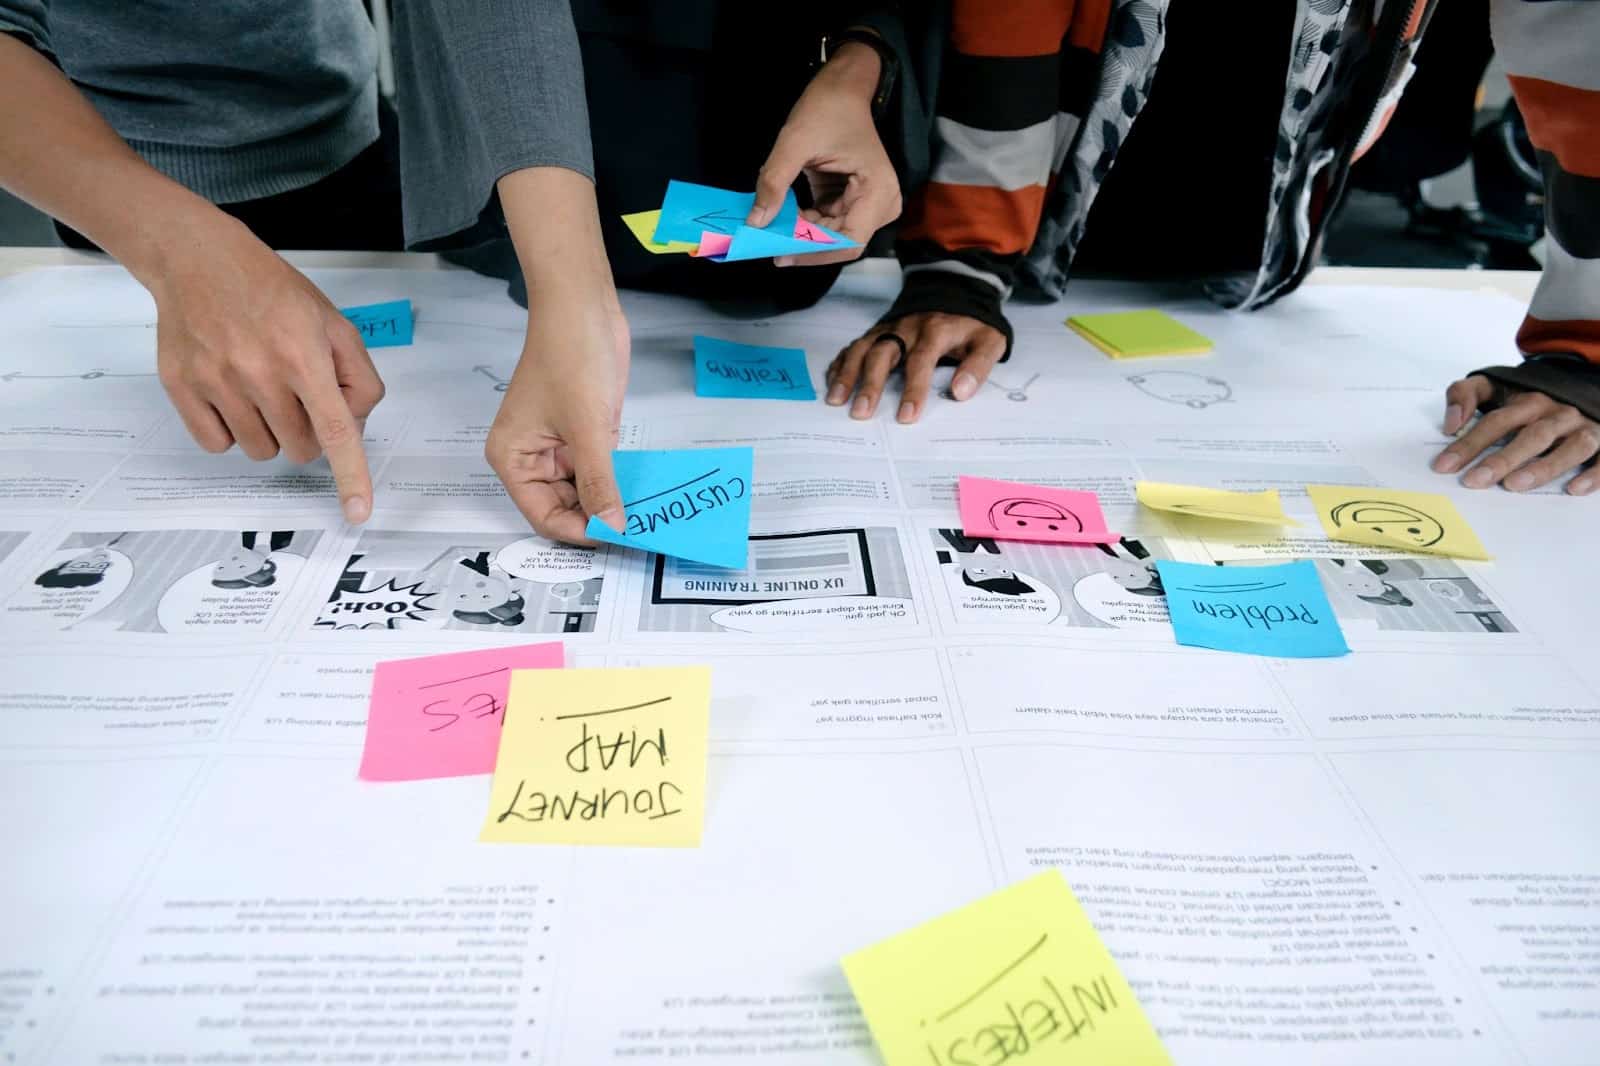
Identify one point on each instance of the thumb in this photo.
(778, 173)
(595, 478)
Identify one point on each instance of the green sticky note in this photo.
(1134, 334)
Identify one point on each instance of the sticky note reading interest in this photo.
(1020, 975)
(729, 370)
(385, 325)
(1133, 334)
(1259, 610)
(1010, 510)
(688, 210)
(1262, 508)
(1392, 518)
(603, 757)
(440, 716)
(693, 504)
(642, 224)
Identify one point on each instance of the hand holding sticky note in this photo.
(385, 325)
(603, 757)
(1019, 971)
(1279, 611)
(1010, 510)
(1262, 508)
(710, 223)
(1392, 518)
(440, 716)
(728, 370)
(693, 504)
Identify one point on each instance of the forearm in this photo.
(555, 226)
(59, 155)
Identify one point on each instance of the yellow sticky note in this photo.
(1393, 518)
(1017, 975)
(602, 757)
(1262, 508)
(1134, 334)
(642, 224)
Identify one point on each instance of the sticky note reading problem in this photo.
(1261, 508)
(642, 224)
(1393, 518)
(1259, 610)
(1020, 974)
(693, 504)
(440, 716)
(603, 757)
(1010, 510)
(1135, 334)
(385, 325)
(729, 370)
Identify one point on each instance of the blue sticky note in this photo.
(690, 210)
(730, 370)
(692, 503)
(1280, 610)
(385, 325)
(751, 243)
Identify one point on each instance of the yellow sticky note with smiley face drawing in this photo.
(1020, 974)
(1394, 518)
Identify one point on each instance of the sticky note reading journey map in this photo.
(1263, 508)
(1259, 610)
(1019, 975)
(1134, 334)
(1393, 518)
(729, 370)
(603, 757)
(385, 325)
(693, 504)
(1010, 510)
(440, 716)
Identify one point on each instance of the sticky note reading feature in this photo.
(1134, 334)
(440, 716)
(603, 757)
(1010, 510)
(729, 370)
(1020, 975)
(1259, 610)
(1392, 518)
(1262, 508)
(385, 325)
(693, 504)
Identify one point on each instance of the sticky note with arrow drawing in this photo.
(690, 210)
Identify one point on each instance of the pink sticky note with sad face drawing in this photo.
(1010, 510)
(440, 716)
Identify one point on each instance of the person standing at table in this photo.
(1075, 136)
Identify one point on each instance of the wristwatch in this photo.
(888, 62)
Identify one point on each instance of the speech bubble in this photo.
(1108, 602)
(71, 587)
(988, 594)
(537, 559)
(392, 605)
(197, 604)
(824, 612)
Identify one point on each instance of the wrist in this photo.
(855, 67)
(175, 240)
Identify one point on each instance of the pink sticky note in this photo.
(713, 244)
(440, 716)
(1009, 510)
(805, 231)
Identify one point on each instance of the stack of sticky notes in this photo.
(709, 223)
(1137, 334)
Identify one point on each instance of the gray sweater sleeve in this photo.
(26, 20)
(485, 88)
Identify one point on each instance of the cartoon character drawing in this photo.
(1017, 512)
(1136, 573)
(246, 566)
(1198, 391)
(81, 571)
(487, 598)
(996, 579)
(1396, 522)
(1364, 581)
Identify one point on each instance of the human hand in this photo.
(830, 137)
(252, 353)
(1547, 439)
(929, 337)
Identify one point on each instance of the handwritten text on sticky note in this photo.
(1019, 975)
(1393, 518)
(1010, 510)
(1259, 610)
(385, 325)
(614, 756)
(440, 716)
(692, 503)
(729, 370)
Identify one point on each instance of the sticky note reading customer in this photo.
(1010, 510)
(1261, 508)
(603, 757)
(1136, 334)
(385, 325)
(693, 504)
(1017, 976)
(1259, 610)
(1392, 518)
(729, 370)
(440, 716)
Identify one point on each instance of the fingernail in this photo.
(758, 217)
(784, 261)
(1582, 486)
(963, 386)
(357, 509)
(908, 412)
(1447, 463)
(1452, 417)
(1478, 478)
(612, 516)
(837, 394)
(1520, 481)
(861, 408)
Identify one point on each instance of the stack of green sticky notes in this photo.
(1133, 334)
